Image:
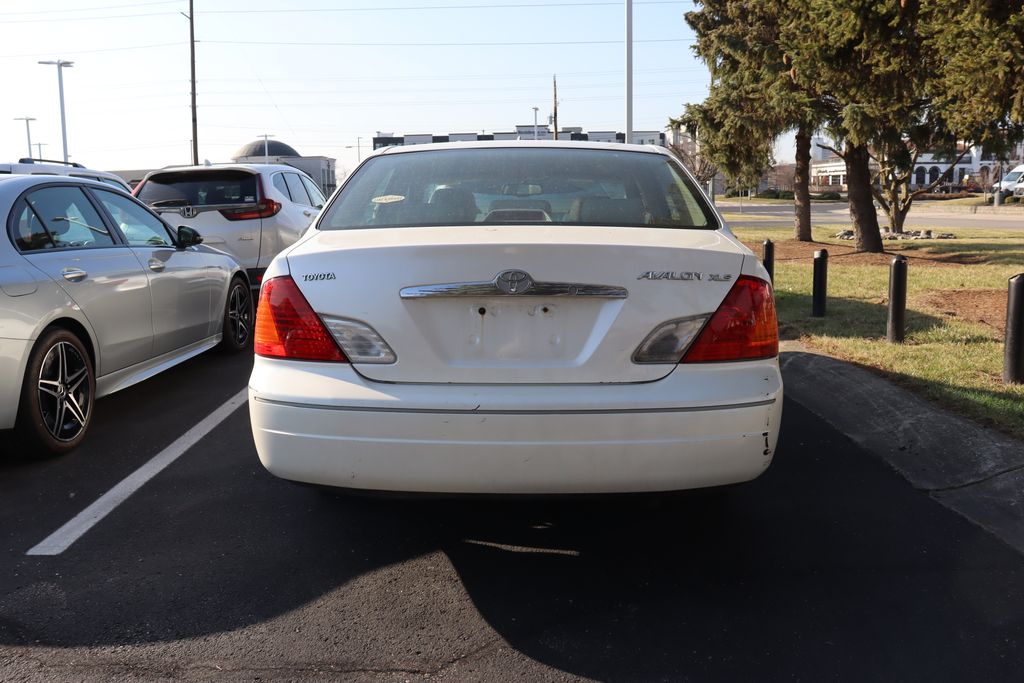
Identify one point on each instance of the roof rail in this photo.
(29, 160)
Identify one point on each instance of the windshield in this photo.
(513, 186)
(1011, 177)
(199, 188)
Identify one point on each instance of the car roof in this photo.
(21, 181)
(256, 168)
(518, 144)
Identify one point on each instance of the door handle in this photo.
(245, 238)
(73, 274)
(307, 213)
(156, 265)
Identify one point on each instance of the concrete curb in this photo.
(977, 472)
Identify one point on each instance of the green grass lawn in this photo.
(955, 362)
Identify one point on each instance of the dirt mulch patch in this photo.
(790, 250)
(986, 306)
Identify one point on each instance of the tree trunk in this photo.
(862, 203)
(896, 219)
(801, 185)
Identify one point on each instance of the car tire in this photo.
(57, 395)
(239, 320)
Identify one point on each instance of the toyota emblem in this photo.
(514, 281)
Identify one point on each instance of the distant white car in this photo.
(517, 317)
(251, 211)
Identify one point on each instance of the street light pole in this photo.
(60, 64)
(629, 71)
(535, 122)
(39, 146)
(28, 132)
(191, 16)
(266, 148)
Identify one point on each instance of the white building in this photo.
(828, 171)
(521, 132)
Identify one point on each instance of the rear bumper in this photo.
(515, 439)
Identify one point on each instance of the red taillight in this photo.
(265, 208)
(287, 327)
(743, 328)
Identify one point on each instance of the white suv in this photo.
(48, 167)
(251, 211)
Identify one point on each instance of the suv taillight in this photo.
(743, 328)
(287, 327)
(265, 207)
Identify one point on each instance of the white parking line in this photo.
(62, 538)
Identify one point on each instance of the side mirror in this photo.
(188, 237)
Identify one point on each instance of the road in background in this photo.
(753, 215)
(830, 566)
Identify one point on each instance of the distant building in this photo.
(321, 169)
(828, 170)
(542, 131)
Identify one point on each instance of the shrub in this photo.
(785, 194)
(827, 195)
(767, 194)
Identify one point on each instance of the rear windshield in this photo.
(514, 186)
(199, 188)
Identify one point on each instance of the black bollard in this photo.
(1013, 363)
(820, 283)
(895, 329)
(768, 259)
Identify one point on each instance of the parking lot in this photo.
(830, 566)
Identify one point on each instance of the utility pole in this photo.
(535, 122)
(554, 87)
(28, 132)
(629, 71)
(60, 64)
(192, 50)
(266, 148)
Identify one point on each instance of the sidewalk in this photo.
(977, 472)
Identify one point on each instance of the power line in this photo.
(86, 52)
(437, 7)
(110, 16)
(92, 9)
(487, 44)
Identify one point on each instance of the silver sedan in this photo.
(98, 293)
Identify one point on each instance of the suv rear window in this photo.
(199, 188)
(513, 186)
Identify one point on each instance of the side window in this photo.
(140, 227)
(29, 233)
(296, 190)
(314, 192)
(69, 217)
(281, 186)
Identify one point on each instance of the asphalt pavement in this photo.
(828, 567)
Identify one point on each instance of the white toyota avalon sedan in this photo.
(517, 317)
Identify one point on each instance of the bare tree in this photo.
(702, 168)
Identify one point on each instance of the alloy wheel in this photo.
(64, 391)
(239, 314)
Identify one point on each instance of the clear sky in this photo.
(320, 75)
